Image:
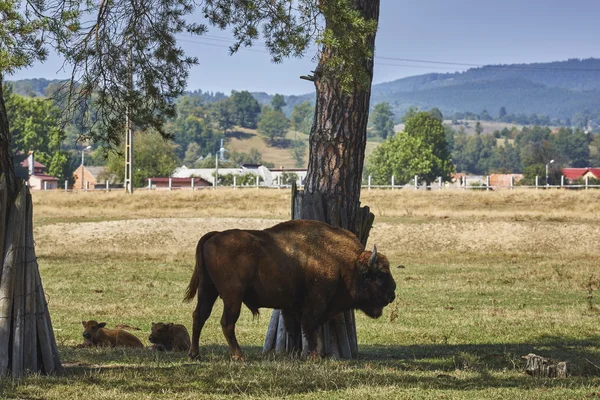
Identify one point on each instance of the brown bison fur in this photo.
(169, 337)
(96, 334)
(308, 269)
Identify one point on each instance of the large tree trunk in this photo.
(27, 342)
(332, 187)
(339, 132)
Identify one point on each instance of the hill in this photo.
(559, 89)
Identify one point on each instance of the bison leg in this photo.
(292, 325)
(207, 295)
(231, 313)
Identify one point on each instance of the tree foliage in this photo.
(155, 157)
(382, 120)
(273, 124)
(246, 109)
(421, 149)
(302, 117)
(278, 102)
(288, 28)
(35, 126)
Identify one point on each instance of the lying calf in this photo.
(169, 337)
(95, 334)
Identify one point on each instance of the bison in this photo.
(95, 334)
(169, 337)
(308, 269)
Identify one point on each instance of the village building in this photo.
(38, 179)
(573, 174)
(177, 183)
(85, 177)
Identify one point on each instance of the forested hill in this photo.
(556, 89)
(559, 89)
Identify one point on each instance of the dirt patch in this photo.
(179, 236)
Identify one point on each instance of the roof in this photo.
(177, 180)
(289, 170)
(43, 177)
(576, 173)
(95, 171)
(25, 164)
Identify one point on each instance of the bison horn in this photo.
(373, 257)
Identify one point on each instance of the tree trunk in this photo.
(27, 342)
(339, 133)
(6, 162)
(332, 188)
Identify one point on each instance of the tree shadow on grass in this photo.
(395, 368)
(238, 135)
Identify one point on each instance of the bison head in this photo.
(90, 328)
(376, 285)
(160, 333)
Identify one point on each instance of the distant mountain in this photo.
(32, 87)
(558, 89)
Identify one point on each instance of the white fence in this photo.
(414, 185)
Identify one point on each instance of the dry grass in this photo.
(489, 277)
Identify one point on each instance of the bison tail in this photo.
(198, 269)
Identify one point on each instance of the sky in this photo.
(477, 32)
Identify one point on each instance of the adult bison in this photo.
(308, 269)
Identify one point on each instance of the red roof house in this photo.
(573, 174)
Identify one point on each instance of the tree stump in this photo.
(545, 367)
(336, 338)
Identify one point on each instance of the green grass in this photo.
(464, 319)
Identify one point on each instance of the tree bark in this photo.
(339, 132)
(6, 162)
(332, 188)
(22, 302)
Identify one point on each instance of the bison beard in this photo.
(308, 269)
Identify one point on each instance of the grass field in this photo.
(489, 277)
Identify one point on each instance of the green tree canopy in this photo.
(421, 149)
(224, 114)
(382, 120)
(155, 157)
(246, 109)
(572, 146)
(278, 102)
(273, 124)
(437, 114)
(35, 126)
(302, 117)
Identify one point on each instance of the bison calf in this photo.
(96, 334)
(308, 269)
(169, 337)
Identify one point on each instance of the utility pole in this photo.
(128, 130)
(216, 169)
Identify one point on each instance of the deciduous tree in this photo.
(273, 124)
(382, 120)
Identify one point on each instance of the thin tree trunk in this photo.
(6, 162)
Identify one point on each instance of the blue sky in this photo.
(459, 31)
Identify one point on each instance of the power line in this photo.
(411, 60)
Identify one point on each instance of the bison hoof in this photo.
(313, 356)
(194, 355)
(238, 357)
